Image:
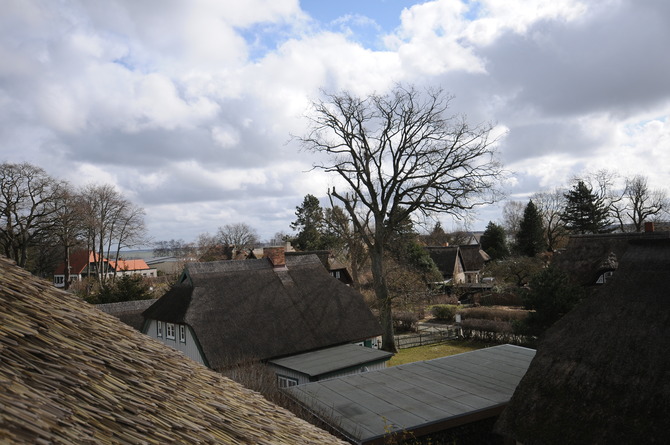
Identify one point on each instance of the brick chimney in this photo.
(276, 255)
(649, 226)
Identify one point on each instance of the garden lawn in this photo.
(438, 350)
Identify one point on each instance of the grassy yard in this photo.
(429, 352)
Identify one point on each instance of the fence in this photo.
(425, 338)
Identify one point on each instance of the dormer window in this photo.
(159, 329)
(602, 279)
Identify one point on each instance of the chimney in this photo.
(276, 256)
(649, 226)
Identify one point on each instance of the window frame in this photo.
(159, 329)
(182, 333)
(286, 382)
(170, 333)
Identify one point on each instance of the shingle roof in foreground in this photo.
(430, 395)
(72, 374)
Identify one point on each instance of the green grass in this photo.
(429, 352)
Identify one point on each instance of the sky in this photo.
(188, 107)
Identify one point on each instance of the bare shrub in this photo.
(489, 313)
(405, 321)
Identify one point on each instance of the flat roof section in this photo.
(325, 361)
(419, 397)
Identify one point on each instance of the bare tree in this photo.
(512, 216)
(68, 226)
(639, 203)
(238, 236)
(111, 222)
(399, 154)
(351, 245)
(551, 205)
(27, 195)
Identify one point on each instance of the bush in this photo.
(404, 321)
(444, 311)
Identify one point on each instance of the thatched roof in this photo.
(250, 310)
(586, 257)
(445, 258)
(72, 374)
(602, 373)
(129, 312)
(473, 256)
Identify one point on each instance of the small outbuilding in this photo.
(328, 363)
(421, 399)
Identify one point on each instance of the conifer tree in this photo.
(530, 238)
(494, 241)
(585, 211)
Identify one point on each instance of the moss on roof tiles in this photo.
(72, 374)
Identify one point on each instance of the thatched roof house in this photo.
(602, 373)
(449, 261)
(459, 264)
(591, 259)
(230, 311)
(71, 374)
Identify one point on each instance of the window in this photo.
(286, 382)
(169, 331)
(159, 329)
(182, 333)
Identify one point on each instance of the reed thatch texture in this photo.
(602, 373)
(241, 310)
(586, 257)
(71, 374)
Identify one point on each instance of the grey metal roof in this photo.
(368, 406)
(325, 361)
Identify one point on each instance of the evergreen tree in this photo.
(530, 238)
(585, 212)
(494, 241)
(311, 226)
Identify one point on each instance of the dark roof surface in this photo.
(370, 405)
(473, 256)
(602, 373)
(445, 258)
(129, 312)
(71, 374)
(333, 359)
(248, 310)
(586, 257)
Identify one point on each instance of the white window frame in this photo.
(286, 382)
(169, 331)
(159, 329)
(182, 333)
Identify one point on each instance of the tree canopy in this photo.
(494, 241)
(585, 211)
(530, 238)
(397, 154)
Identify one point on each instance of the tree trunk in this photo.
(383, 299)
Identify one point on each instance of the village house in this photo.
(601, 374)
(228, 312)
(459, 264)
(71, 374)
(84, 263)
